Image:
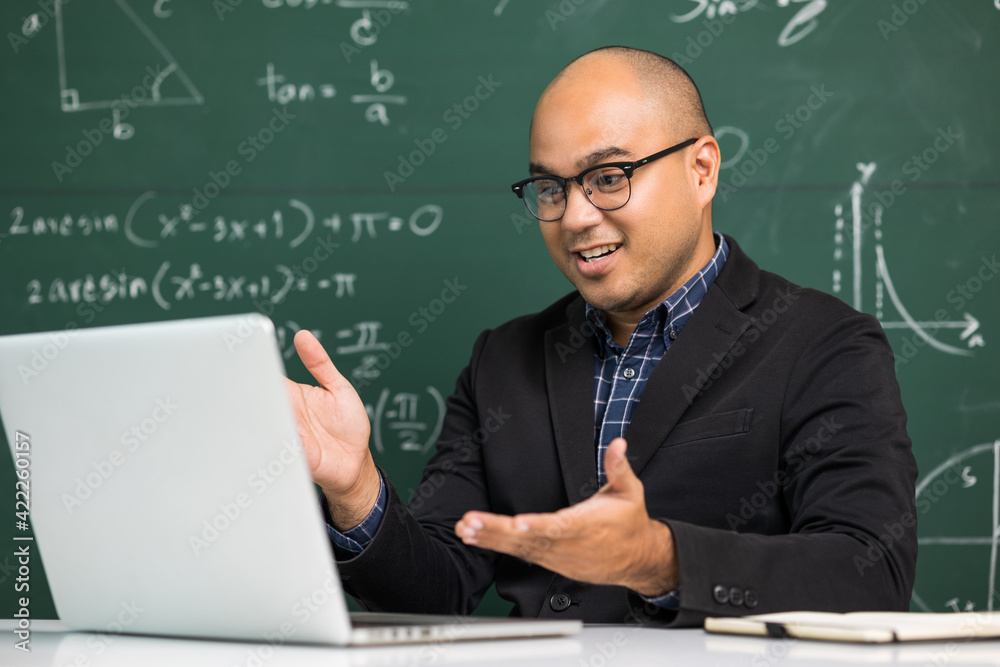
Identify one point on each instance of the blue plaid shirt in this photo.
(351, 542)
(620, 375)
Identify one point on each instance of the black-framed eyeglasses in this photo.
(608, 186)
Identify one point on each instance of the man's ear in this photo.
(707, 162)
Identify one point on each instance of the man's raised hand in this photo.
(334, 430)
(607, 539)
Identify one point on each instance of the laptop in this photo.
(170, 495)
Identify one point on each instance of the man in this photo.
(767, 465)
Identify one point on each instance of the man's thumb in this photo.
(616, 465)
(316, 360)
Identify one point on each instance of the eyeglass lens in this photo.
(607, 188)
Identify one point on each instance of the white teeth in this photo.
(594, 253)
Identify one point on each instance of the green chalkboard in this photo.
(340, 164)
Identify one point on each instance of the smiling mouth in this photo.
(594, 254)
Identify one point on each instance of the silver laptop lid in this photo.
(169, 494)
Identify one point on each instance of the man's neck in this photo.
(622, 324)
(622, 327)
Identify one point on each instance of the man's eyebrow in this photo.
(537, 169)
(596, 157)
(602, 155)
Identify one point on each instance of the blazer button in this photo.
(559, 602)
(750, 598)
(735, 597)
(721, 594)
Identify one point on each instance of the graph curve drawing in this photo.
(966, 485)
(849, 239)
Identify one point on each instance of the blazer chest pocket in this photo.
(718, 425)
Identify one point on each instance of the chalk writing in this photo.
(148, 226)
(146, 93)
(949, 483)
(406, 420)
(170, 286)
(798, 27)
(861, 219)
(281, 91)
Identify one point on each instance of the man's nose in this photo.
(580, 212)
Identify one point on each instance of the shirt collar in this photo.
(676, 309)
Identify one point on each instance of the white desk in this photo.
(596, 646)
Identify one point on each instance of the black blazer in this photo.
(771, 439)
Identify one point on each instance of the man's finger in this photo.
(484, 529)
(564, 524)
(616, 466)
(494, 531)
(528, 536)
(316, 360)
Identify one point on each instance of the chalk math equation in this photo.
(147, 225)
(406, 420)
(165, 82)
(283, 92)
(171, 285)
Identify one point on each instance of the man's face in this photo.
(597, 114)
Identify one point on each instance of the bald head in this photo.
(672, 94)
(625, 105)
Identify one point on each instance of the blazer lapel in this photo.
(711, 332)
(704, 343)
(569, 376)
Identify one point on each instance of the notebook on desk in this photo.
(170, 496)
(873, 627)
